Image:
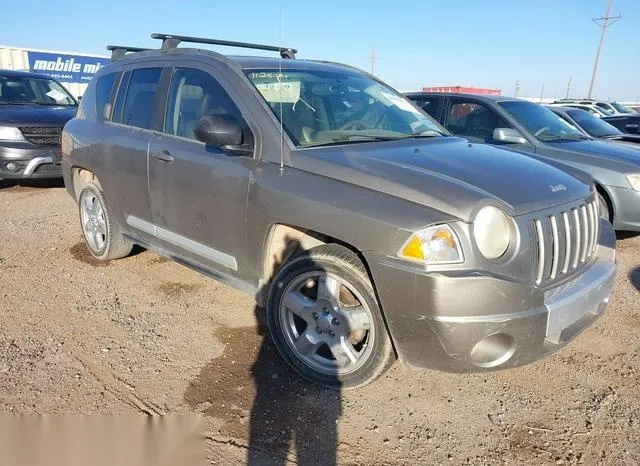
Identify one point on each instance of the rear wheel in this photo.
(102, 234)
(325, 320)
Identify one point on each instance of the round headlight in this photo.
(492, 231)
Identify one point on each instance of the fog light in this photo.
(12, 166)
(493, 350)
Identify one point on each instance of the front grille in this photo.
(42, 135)
(564, 242)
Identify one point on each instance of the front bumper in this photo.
(626, 215)
(20, 161)
(471, 322)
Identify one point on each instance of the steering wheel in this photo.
(540, 131)
(354, 124)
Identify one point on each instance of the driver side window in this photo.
(192, 95)
(474, 120)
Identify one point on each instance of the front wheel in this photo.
(325, 320)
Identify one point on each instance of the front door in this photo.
(198, 193)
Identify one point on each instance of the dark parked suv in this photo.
(33, 110)
(360, 224)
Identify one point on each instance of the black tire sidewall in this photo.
(93, 189)
(380, 352)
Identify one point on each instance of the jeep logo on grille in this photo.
(557, 187)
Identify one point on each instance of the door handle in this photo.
(163, 156)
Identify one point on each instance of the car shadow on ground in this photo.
(27, 185)
(634, 276)
(621, 235)
(253, 392)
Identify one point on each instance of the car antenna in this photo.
(279, 78)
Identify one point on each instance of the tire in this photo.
(102, 235)
(603, 207)
(325, 321)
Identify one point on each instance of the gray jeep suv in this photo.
(360, 224)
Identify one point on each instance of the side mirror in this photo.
(508, 135)
(222, 131)
(79, 98)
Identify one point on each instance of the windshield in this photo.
(622, 108)
(21, 90)
(332, 107)
(542, 122)
(593, 125)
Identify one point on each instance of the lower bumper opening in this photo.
(493, 350)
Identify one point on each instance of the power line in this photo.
(604, 23)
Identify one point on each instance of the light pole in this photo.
(604, 23)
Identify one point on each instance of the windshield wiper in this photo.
(348, 139)
(48, 104)
(420, 135)
(563, 137)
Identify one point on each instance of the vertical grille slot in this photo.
(576, 226)
(567, 237)
(595, 220)
(541, 251)
(555, 240)
(584, 245)
(591, 229)
(596, 212)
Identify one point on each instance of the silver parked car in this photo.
(595, 127)
(532, 129)
(365, 229)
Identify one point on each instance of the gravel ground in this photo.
(146, 335)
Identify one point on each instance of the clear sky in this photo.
(489, 43)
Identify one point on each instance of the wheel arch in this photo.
(285, 241)
(79, 178)
(604, 192)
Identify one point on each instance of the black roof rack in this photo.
(119, 51)
(171, 41)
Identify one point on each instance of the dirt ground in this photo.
(146, 335)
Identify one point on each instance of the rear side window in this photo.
(118, 105)
(140, 102)
(104, 88)
(192, 95)
(474, 120)
(431, 105)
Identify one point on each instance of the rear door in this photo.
(198, 193)
(127, 132)
(431, 104)
(477, 121)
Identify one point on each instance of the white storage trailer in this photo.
(73, 70)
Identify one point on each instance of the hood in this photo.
(602, 149)
(447, 174)
(632, 140)
(16, 115)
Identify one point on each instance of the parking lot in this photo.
(146, 335)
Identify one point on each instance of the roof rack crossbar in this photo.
(170, 41)
(119, 51)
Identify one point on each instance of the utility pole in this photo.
(604, 23)
(373, 60)
(542, 93)
(516, 89)
(568, 88)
